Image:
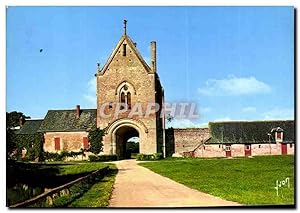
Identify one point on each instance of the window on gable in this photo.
(124, 49)
(123, 101)
(129, 100)
(279, 135)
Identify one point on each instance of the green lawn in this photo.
(248, 181)
(99, 194)
(77, 168)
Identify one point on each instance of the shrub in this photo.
(101, 158)
(54, 156)
(95, 139)
(146, 157)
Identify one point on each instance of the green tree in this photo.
(13, 118)
(95, 139)
(11, 144)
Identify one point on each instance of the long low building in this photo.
(234, 139)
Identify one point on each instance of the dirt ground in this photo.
(136, 186)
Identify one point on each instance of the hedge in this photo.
(147, 157)
(101, 158)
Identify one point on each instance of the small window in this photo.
(291, 145)
(204, 147)
(57, 143)
(247, 147)
(279, 135)
(259, 146)
(110, 105)
(219, 146)
(124, 49)
(129, 100)
(228, 147)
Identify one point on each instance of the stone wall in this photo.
(187, 139)
(69, 141)
(238, 150)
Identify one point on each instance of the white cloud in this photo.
(185, 123)
(279, 114)
(90, 94)
(234, 86)
(249, 109)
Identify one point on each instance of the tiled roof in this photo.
(66, 121)
(30, 127)
(250, 131)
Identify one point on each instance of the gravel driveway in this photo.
(136, 186)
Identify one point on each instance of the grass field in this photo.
(99, 194)
(249, 181)
(77, 168)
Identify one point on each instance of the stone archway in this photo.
(122, 134)
(120, 131)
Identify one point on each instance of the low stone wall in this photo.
(187, 139)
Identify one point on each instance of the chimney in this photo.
(21, 121)
(77, 112)
(153, 56)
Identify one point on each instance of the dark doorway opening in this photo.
(127, 142)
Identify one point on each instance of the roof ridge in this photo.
(69, 109)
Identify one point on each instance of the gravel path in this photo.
(136, 186)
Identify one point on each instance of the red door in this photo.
(57, 143)
(283, 149)
(228, 150)
(85, 143)
(248, 150)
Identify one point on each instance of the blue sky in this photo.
(236, 63)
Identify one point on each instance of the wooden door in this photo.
(247, 149)
(283, 148)
(228, 150)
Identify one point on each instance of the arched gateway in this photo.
(126, 87)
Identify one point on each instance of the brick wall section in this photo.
(187, 139)
(69, 141)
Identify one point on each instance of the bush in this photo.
(54, 156)
(95, 140)
(101, 158)
(146, 157)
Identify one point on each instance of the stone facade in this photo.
(199, 142)
(126, 76)
(237, 150)
(187, 139)
(69, 141)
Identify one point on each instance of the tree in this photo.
(11, 144)
(13, 118)
(95, 139)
